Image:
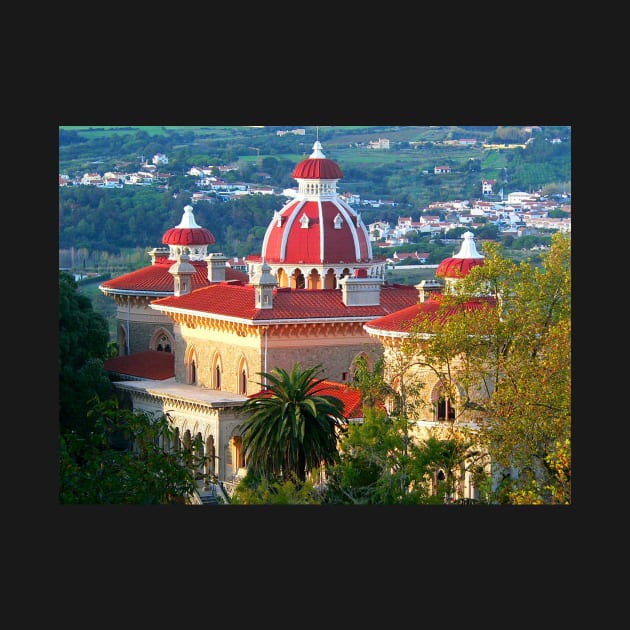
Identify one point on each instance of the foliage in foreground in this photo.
(514, 369)
(82, 348)
(255, 490)
(382, 463)
(121, 460)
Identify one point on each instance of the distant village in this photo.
(518, 213)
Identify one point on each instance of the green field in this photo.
(99, 131)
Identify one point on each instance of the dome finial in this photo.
(188, 219)
(317, 151)
(468, 249)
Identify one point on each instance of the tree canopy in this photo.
(513, 367)
(83, 346)
(121, 461)
(291, 428)
(107, 454)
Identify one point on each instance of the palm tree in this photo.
(290, 427)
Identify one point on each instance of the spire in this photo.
(468, 248)
(317, 151)
(188, 219)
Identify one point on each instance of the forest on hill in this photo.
(118, 226)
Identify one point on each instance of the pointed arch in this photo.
(190, 362)
(444, 405)
(297, 279)
(234, 454)
(239, 452)
(199, 452)
(162, 340)
(242, 376)
(216, 372)
(369, 362)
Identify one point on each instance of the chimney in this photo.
(216, 267)
(182, 272)
(264, 283)
(361, 290)
(428, 288)
(157, 251)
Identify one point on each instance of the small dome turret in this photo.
(188, 237)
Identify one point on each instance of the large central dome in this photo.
(317, 230)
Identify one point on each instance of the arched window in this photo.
(243, 375)
(239, 451)
(161, 340)
(187, 440)
(330, 280)
(443, 404)
(217, 371)
(298, 279)
(191, 366)
(369, 363)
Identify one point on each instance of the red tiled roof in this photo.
(157, 279)
(349, 396)
(402, 321)
(150, 364)
(238, 301)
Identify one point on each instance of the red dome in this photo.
(317, 227)
(188, 236)
(459, 265)
(315, 233)
(188, 232)
(317, 168)
(456, 267)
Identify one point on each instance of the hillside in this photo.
(121, 221)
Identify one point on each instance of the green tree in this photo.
(291, 428)
(512, 365)
(371, 383)
(83, 346)
(121, 461)
(376, 464)
(254, 490)
(443, 461)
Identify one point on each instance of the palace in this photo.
(195, 335)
